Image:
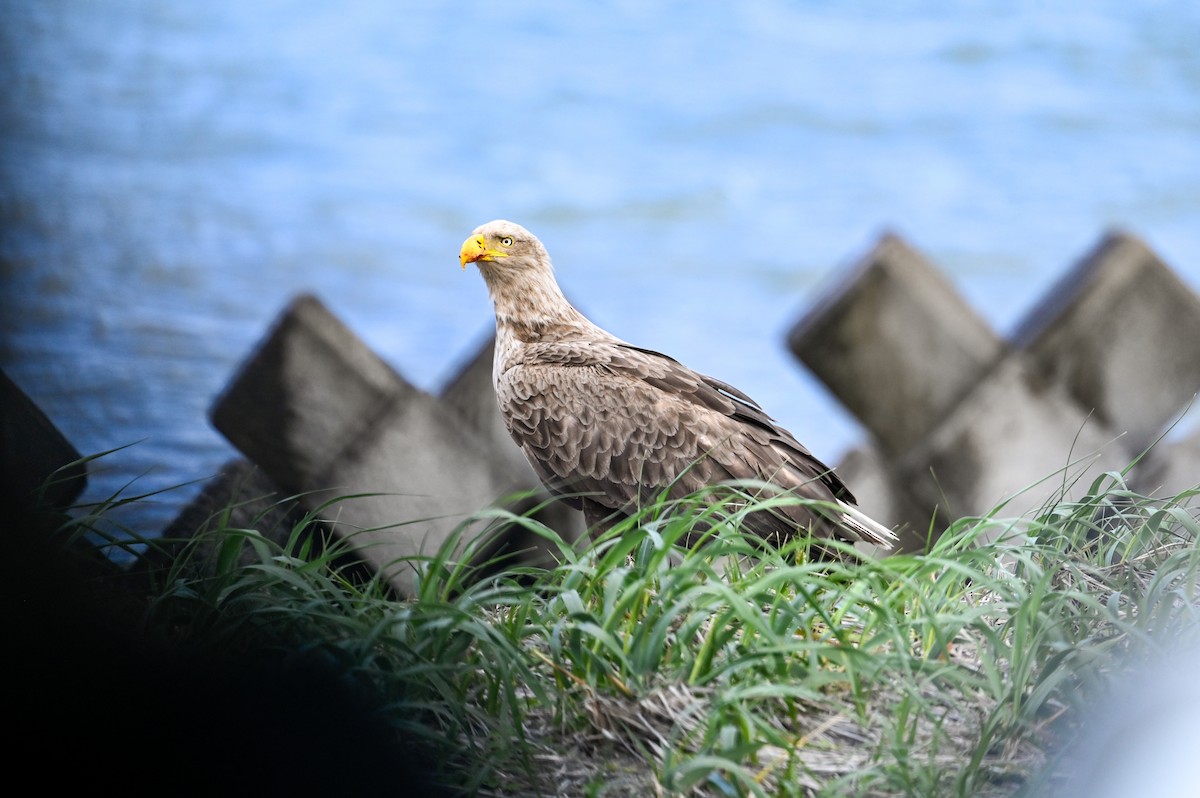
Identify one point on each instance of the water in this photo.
(172, 174)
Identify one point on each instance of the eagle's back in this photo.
(622, 424)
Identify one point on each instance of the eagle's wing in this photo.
(621, 424)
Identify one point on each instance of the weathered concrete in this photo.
(1121, 334)
(240, 496)
(326, 418)
(879, 494)
(56, 575)
(895, 343)
(469, 393)
(963, 421)
(1170, 467)
(40, 471)
(1009, 441)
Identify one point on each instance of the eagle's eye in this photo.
(506, 241)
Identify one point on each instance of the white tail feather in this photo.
(871, 530)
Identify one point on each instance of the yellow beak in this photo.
(475, 248)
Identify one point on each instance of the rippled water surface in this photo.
(172, 173)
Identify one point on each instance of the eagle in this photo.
(608, 425)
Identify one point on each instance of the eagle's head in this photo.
(506, 244)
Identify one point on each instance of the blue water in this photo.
(172, 173)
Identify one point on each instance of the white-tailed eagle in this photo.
(609, 426)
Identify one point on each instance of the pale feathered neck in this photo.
(530, 306)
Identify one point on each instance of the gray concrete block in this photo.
(239, 496)
(325, 417)
(880, 495)
(1120, 334)
(1012, 440)
(470, 394)
(896, 344)
(39, 468)
(50, 567)
(1170, 468)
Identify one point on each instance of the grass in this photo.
(636, 667)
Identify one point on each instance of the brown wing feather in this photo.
(621, 424)
(728, 401)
